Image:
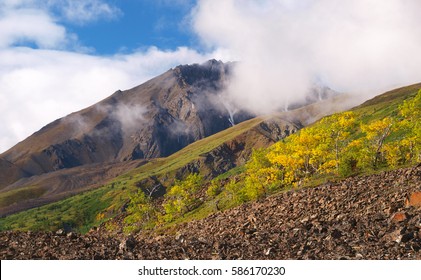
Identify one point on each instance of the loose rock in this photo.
(351, 219)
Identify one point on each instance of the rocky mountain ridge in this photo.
(152, 120)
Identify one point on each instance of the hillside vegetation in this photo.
(361, 217)
(383, 133)
(91, 208)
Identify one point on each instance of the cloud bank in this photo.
(285, 46)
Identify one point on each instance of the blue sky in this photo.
(60, 56)
(123, 26)
(139, 24)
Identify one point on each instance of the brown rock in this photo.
(407, 237)
(394, 236)
(398, 217)
(352, 223)
(127, 243)
(414, 200)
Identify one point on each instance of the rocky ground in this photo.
(372, 217)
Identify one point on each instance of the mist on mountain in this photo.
(286, 47)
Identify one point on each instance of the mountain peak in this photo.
(152, 120)
(208, 72)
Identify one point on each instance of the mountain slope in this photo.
(152, 120)
(369, 217)
(210, 156)
(86, 149)
(382, 134)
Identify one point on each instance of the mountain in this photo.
(364, 207)
(152, 120)
(210, 156)
(86, 149)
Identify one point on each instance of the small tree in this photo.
(261, 175)
(411, 114)
(235, 192)
(181, 198)
(375, 134)
(215, 188)
(141, 213)
(338, 128)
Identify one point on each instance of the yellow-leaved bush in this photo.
(337, 145)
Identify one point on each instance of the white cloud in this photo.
(37, 22)
(30, 26)
(285, 46)
(83, 11)
(75, 11)
(7, 4)
(38, 86)
(48, 82)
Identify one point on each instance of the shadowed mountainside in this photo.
(152, 120)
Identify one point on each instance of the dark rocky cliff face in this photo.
(152, 120)
(183, 108)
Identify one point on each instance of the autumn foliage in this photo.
(337, 146)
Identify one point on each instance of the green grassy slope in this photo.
(93, 207)
(385, 106)
(191, 152)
